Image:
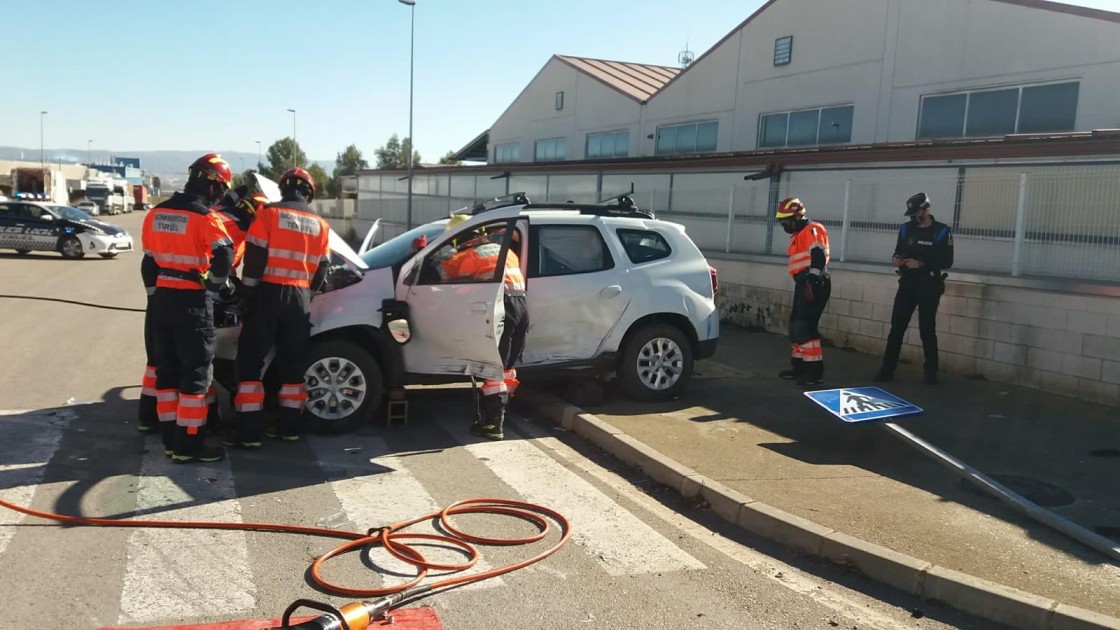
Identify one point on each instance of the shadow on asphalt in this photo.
(100, 451)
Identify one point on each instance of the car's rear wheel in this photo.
(344, 386)
(71, 247)
(108, 255)
(656, 363)
(23, 252)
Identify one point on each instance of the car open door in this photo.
(456, 322)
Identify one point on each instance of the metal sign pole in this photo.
(1104, 545)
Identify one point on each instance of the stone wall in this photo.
(1058, 336)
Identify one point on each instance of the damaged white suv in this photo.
(611, 291)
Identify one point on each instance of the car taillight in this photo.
(715, 279)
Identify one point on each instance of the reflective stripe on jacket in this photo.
(802, 244)
(296, 242)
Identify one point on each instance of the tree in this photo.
(323, 183)
(394, 155)
(449, 160)
(283, 155)
(347, 163)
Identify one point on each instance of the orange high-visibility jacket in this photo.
(181, 243)
(478, 263)
(801, 245)
(295, 240)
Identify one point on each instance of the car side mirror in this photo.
(394, 318)
(47, 217)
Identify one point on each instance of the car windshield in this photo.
(399, 248)
(68, 212)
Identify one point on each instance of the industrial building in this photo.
(1003, 111)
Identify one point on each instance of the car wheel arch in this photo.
(675, 320)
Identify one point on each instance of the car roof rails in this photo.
(478, 207)
(621, 205)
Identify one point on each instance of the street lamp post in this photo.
(258, 154)
(42, 152)
(411, 143)
(293, 137)
(89, 150)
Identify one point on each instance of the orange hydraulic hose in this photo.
(389, 537)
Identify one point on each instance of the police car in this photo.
(27, 226)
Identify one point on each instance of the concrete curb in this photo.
(979, 597)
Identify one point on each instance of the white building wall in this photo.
(589, 107)
(881, 56)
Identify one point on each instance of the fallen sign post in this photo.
(869, 404)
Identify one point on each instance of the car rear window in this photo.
(561, 250)
(644, 245)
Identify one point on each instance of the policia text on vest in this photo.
(923, 251)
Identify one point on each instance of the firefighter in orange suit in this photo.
(187, 258)
(286, 258)
(477, 259)
(808, 265)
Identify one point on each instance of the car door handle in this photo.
(610, 291)
(479, 307)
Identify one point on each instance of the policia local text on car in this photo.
(924, 250)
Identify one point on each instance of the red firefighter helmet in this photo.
(212, 167)
(791, 208)
(298, 178)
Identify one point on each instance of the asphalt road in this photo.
(68, 385)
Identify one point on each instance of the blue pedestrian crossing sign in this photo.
(863, 404)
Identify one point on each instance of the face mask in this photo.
(789, 226)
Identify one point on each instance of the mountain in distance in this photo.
(169, 166)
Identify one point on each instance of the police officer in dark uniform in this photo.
(923, 252)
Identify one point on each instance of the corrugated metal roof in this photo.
(639, 81)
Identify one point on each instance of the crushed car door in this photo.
(455, 311)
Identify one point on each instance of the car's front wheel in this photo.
(656, 363)
(344, 386)
(23, 252)
(109, 255)
(71, 247)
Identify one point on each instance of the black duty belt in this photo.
(189, 276)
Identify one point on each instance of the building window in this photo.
(505, 153)
(783, 50)
(551, 150)
(559, 101)
(827, 125)
(608, 145)
(687, 138)
(1024, 109)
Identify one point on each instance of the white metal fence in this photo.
(1061, 221)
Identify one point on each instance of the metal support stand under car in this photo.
(864, 404)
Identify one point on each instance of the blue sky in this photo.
(161, 74)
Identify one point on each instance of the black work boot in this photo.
(289, 424)
(884, 375)
(797, 369)
(190, 449)
(147, 420)
(812, 375)
(491, 418)
(167, 435)
(931, 376)
(250, 429)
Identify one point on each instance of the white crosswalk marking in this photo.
(623, 544)
(383, 498)
(37, 434)
(183, 574)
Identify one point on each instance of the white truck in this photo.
(39, 184)
(111, 195)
